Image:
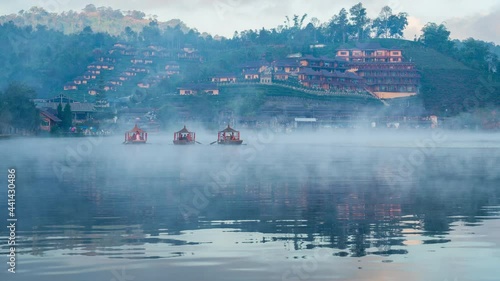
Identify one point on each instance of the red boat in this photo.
(184, 137)
(136, 136)
(229, 136)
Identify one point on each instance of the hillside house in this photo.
(255, 66)
(331, 81)
(290, 65)
(79, 80)
(369, 52)
(89, 75)
(82, 111)
(323, 63)
(224, 78)
(70, 86)
(172, 67)
(196, 89)
(251, 75)
(48, 119)
(281, 75)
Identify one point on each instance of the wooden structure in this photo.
(136, 136)
(229, 136)
(184, 137)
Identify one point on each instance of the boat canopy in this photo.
(136, 129)
(229, 130)
(184, 131)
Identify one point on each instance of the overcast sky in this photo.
(479, 19)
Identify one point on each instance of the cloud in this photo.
(223, 17)
(480, 26)
(414, 28)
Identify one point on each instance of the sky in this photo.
(479, 19)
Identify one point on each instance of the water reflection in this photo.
(211, 204)
(104, 208)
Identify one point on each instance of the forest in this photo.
(41, 51)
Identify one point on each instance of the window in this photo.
(343, 53)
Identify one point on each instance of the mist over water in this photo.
(312, 205)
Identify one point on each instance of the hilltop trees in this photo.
(339, 28)
(388, 25)
(436, 37)
(360, 21)
(44, 58)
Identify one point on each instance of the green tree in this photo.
(360, 21)
(338, 28)
(475, 53)
(381, 24)
(397, 24)
(67, 117)
(60, 111)
(17, 109)
(436, 37)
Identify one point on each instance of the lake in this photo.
(336, 205)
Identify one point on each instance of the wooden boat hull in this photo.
(231, 142)
(184, 142)
(135, 142)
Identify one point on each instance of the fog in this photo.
(338, 153)
(381, 196)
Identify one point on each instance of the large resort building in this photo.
(385, 72)
(366, 68)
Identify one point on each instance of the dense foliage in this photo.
(17, 110)
(45, 50)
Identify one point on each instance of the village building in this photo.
(224, 78)
(144, 84)
(109, 87)
(82, 111)
(281, 75)
(129, 51)
(385, 72)
(172, 67)
(70, 86)
(323, 63)
(116, 81)
(254, 67)
(328, 81)
(196, 89)
(139, 69)
(251, 75)
(189, 53)
(48, 119)
(89, 75)
(389, 80)
(290, 65)
(79, 80)
(130, 72)
(369, 52)
(137, 60)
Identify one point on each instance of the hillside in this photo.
(99, 19)
(51, 52)
(448, 87)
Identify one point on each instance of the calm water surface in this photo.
(349, 207)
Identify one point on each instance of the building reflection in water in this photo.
(120, 214)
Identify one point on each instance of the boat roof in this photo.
(135, 129)
(229, 130)
(184, 130)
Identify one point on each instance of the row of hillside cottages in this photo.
(367, 67)
(137, 61)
